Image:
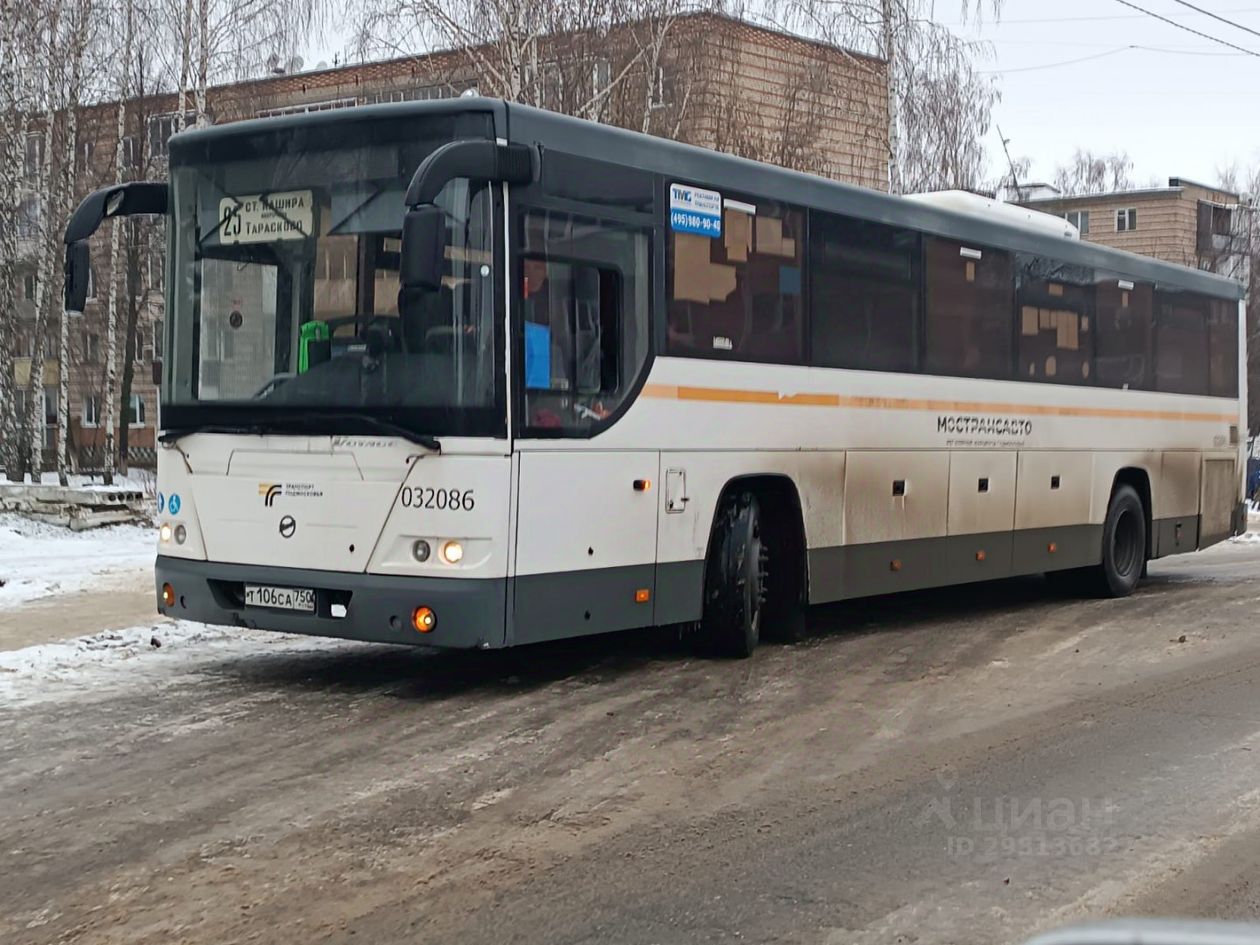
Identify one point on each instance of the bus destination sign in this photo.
(264, 218)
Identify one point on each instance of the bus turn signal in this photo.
(423, 619)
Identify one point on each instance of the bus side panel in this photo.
(1053, 493)
(1220, 498)
(1176, 501)
(586, 543)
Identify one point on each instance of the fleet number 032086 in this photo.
(448, 500)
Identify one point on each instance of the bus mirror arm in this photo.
(120, 200)
(423, 254)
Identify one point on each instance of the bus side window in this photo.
(1123, 340)
(737, 294)
(1056, 321)
(1223, 348)
(1181, 343)
(584, 298)
(970, 298)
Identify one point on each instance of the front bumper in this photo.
(471, 613)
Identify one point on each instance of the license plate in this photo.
(281, 598)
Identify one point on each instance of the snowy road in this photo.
(967, 765)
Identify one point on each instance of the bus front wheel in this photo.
(736, 579)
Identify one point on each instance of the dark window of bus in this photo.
(1123, 341)
(737, 294)
(1181, 343)
(585, 292)
(1056, 321)
(1223, 348)
(970, 301)
(864, 294)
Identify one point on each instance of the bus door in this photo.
(586, 520)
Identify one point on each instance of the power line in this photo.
(1055, 65)
(1086, 19)
(1245, 29)
(1188, 29)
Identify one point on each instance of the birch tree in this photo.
(1093, 173)
(13, 63)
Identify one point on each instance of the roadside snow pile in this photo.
(1246, 538)
(37, 559)
(148, 655)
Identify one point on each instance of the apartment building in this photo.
(717, 82)
(1188, 223)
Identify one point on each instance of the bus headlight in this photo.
(420, 550)
(164, 533)
(452, 552)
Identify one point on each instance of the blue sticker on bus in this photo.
(161, 503)
(537, 356)
(695, 210)
(173, 504)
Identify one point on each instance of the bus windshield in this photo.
(284, 296)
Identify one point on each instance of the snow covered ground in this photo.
(155, 654)
(37, 559)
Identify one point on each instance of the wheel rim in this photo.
(1126, 543)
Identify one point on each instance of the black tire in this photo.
(1124, 545)
(1123, 561)
(735, 583)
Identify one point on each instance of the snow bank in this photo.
(114, 661)
(38, 559)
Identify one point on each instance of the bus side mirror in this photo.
(423, 254)
(78, 271)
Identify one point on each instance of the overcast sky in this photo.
(1180, 105)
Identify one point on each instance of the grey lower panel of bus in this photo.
(530, 609)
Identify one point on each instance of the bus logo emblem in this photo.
(288, 525)
(269, 491)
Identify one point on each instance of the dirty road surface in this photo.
(970, 765)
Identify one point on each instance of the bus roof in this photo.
(693, 164)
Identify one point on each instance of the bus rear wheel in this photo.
(1123, 552)
(1124, 545)
(735, 579)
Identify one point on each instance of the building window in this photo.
(87, 155)
(864, 294)
(421, 93)
(91, 283)
(50, 405)
(91, 347)
(158, 342)
(1126, 220)
(137, 348)
(28, 220)
(131, 151)
(91, 411)
(1079, 219)
(324, 106)
(970, 298)
(161, 127)
(33, 158)
(29, 286)
(135, 411)
(736, 293)
(1056, 321)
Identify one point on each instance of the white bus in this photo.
(470, 374)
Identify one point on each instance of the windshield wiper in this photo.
(171, 434)
(331, 423)
(307, 422)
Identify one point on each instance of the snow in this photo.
(137, 480)
(38, 559)
(155, 654)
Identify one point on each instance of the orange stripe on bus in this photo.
(736, 396)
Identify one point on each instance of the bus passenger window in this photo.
(970, 300)
(737, 294)
(1056, 321)
(584, 325)
(1181, 343)
(1123, 340)
(864, 294)
(1223, 348)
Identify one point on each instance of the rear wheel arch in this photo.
(780, 502)
(1139, 480)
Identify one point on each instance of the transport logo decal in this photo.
(269, 491)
